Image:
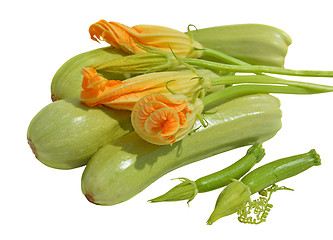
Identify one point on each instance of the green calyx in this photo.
(152, 61)
(186, 190)
(232, 199)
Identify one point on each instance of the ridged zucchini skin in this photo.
(120, 170)
(66, 133)
(66, 82)
(256, 44)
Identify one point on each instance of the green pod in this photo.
(66, 133)
(66, 82)
(120, 170)
(256, 44)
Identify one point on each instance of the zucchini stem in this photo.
(257, 69)
(233, 92)
(265, 79)
(240, 85)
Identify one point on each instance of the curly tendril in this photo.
(260, 207)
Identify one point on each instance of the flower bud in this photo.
(186, 190)
(124, 94)
(128, 38)
(139, 63)
(232, 198)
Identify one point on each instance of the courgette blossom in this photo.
(128, 39)
(139, 63)
(163, 120)
(98, 91)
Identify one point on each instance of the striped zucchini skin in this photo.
(256, 44)
(66, 133)
(120, 170)
(66, 82)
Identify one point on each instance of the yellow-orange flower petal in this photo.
(161, 119)
(94, 85)
(164, 121)
(124, 94)
(128, 38)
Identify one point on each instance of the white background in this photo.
(37, 202)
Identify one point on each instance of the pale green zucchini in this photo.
(66, 82)
(253, 43)
(66, 133)
(120, 170)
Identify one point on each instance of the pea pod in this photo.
(256, 44)
(120, 170)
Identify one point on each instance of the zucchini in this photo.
(66, 133)
(256, 44)
(66, 82)
(123, 168)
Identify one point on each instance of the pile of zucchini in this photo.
(67, 134)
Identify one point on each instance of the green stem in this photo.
(265, 79)
(233, 92)
(223, 57)
(257, 69)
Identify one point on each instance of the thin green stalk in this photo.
(257, 69)
(232, 92)
(223, 57)
(265, 79)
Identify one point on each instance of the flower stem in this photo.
(223, 57)
(257, 69)
(265, 79)
(232, 92)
